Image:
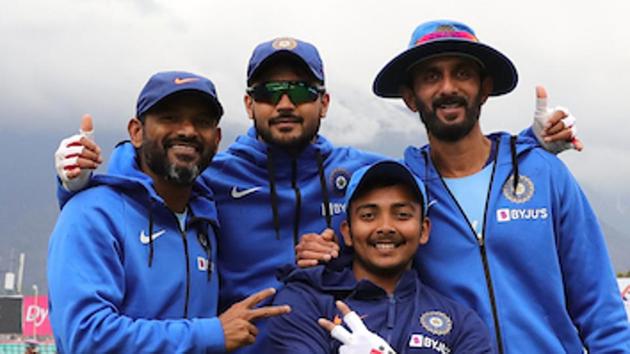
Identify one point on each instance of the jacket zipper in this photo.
(391, 317)
(186, 253)
(298, 203)
(482, 250)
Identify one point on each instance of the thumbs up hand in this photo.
(77, 156)
(554, 128)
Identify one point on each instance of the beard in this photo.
(294, 143)
(445, 132)
(181, 171)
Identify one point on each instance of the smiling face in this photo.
(448, 93)
(286, 124)
(178, 137)
(385, 228)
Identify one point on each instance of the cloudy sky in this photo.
(63, 58)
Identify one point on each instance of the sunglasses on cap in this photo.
(298, 91)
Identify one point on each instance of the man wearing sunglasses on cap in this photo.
(513, 235)
(279, 189)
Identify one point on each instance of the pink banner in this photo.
(35, 320)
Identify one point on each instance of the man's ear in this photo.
(409, 97)
(424, 232)
(217, 139)
(135, 129)
(345, 232)
(325, 103)
(249, 105)
(486, 88)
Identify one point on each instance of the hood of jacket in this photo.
(249, 147)
(124, 173)
(418, 158)
(338, 279)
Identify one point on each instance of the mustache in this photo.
(183, 140)
(286, 116)
(394, 238)
(449, 99)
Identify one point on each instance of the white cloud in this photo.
(66, 57)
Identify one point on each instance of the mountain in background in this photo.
(29, 208)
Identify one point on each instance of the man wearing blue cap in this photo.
(131, 262)
(384, 227)
(513, 235)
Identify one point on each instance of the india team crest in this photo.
(436, 322)
(284, 43)
(339, 179)
(524, 190)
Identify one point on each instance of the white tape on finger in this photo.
(71, 147)
(354, 322)
(568, 121)
(341, 334)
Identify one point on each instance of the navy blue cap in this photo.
(167, 83)
(386, 170)
(304, 51)
(445, 37)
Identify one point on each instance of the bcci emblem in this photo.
(284, 43)
(524, 190)
(436, 322)
(445, 28)
(339, 179)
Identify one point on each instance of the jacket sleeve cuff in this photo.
(209, 335)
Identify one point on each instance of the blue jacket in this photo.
(252, 245)
(415, 319)
(541, 279)
(260, 227)
(104, 295)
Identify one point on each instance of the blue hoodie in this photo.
(267, 199)
(414, 319)
(114, 289)
(541, 279)
(252, 245)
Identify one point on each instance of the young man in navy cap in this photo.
(131, 259)
(513, 234)
(384, 227)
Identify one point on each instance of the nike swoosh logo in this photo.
(236, 194)
(146, 239)
(431, 203)
(180, 81)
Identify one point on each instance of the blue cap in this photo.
(445, 37)
(389, 170)
(167, 83)
(305, 52)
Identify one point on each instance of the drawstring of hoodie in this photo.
(150, 232)
(425, 157)
(516, 178)
(298, 202)
(322, 182)
(272, 193)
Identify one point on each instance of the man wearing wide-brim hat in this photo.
(513, 235)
